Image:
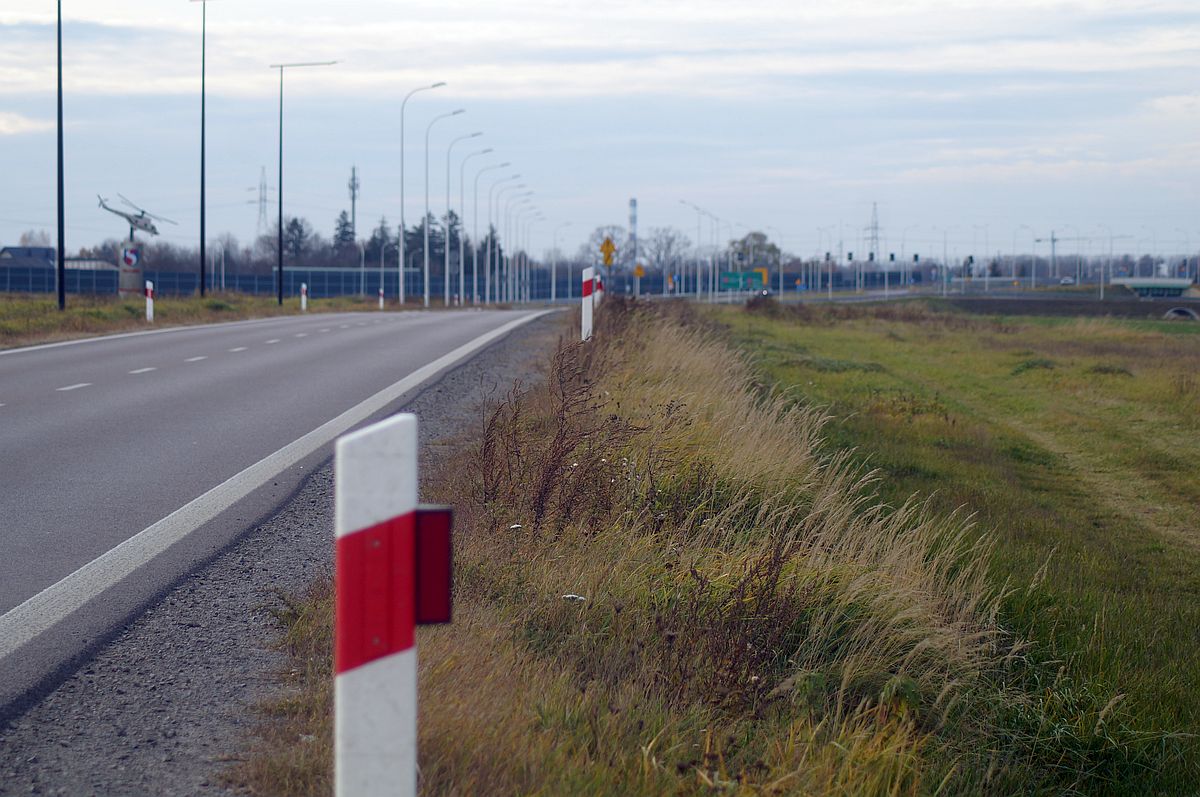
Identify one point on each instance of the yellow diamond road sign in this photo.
(607, 249)
(638, 271)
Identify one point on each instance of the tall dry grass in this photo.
(666, 586)
(663, 586)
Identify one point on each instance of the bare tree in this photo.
(664, 247)
(590, 252)
(35, 238)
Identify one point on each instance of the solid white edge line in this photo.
(24, 623)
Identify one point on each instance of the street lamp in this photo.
(537, 218)
(475, 246)
(780, 236)
(554, 265)
(61, 270)
(446, 267)
(439, 84)
(425, 223)
(281, 68)
(508, 235)
(203, 48)
(462, 212)
(524, 229)
(489, 292)
(699, 219)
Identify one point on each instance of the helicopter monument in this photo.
(129, 281)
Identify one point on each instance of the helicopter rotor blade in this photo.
(125, 199)
(160, 218)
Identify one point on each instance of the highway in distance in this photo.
(105, 438)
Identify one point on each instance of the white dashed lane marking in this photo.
(74, 387)
(343, 326)
(302, 334)
(326, 329)
(141, 370)
(273, 340)
(196, 359)
(239, 348)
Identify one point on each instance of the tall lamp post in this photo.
(554, 264)
(446, 248)
(509, 236)
(425, 221)
(475, 248)
(522, 229)
(203, 49)
(537, 219)
(699, 220)
(491, 293)
(403, 103)
(282, 68)
(462, 213)
(62, 234)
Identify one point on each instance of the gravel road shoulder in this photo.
(159, 709)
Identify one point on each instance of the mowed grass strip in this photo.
(1074, 440)
(668, 581)
(27, 319)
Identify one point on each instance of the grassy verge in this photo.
(26, 319)
(1073, 440)
(668, 581)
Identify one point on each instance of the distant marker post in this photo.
(589, 276)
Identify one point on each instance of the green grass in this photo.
(1075, 441)
(27, 319)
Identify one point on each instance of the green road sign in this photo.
(742, 281)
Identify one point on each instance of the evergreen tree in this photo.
(380, 236)
(343, 233)
(296, 235)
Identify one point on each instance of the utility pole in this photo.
(262, 200)
(354, 201)
(873, 232)
(62, 246)
(203, 52)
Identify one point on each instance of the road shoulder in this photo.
(160, 708)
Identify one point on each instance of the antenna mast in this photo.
(353, 201)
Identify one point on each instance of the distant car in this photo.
(1067, 281)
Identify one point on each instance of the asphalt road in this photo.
(101, 439)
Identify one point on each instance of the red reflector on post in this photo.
(435, 569)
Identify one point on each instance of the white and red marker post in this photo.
(149, 300)
(304, 297)
(392, 572)
(380, 297)
(585, 324)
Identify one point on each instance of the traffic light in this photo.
(870, 257)
(916, 258)
(828, 257)
(891, 257)
(849, 257)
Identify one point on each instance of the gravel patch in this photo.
(162, 708)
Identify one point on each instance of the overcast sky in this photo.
(971, 117)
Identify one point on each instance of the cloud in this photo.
(572, 48)
(14, 124)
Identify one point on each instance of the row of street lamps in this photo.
(506, 290)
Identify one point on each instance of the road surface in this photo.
(121, 451)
